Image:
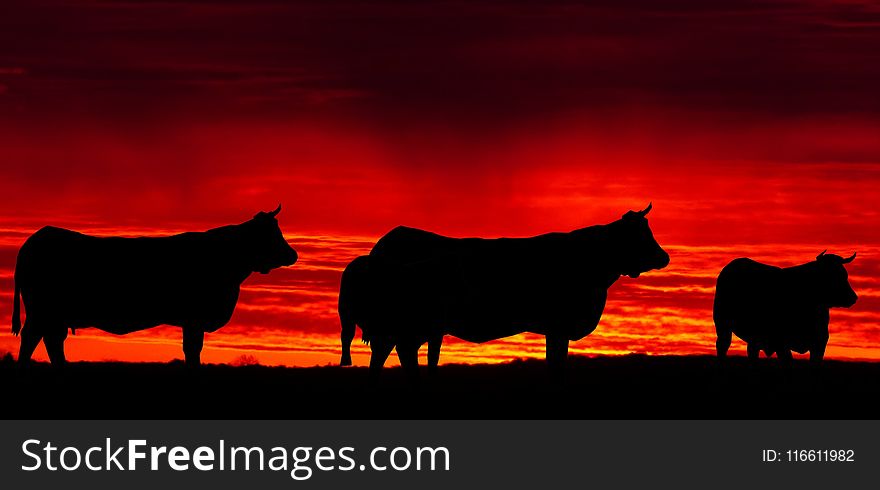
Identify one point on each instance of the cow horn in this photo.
(647, 209)
(821, 254)
(847, 261)
(277, 210)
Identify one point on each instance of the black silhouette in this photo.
(780, 310)
(415, 287)
(121, 285)
(603, 387)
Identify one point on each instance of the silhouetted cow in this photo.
(416, 287)
(778, 309)
(121, 285)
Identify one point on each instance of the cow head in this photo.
(633, 245)
(835, 289)
(266, 248)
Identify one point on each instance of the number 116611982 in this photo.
(808, 456)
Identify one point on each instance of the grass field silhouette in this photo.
(622, 387)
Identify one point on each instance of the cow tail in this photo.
(346, 313)
(16, 309)
(353, 297)
(723, 327)
(348, 329)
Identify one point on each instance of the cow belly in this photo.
(133, 309)
(119, 326)
(799, 337)
(485, 332)
(763, 334)
(801, 340)
(488, 331)
(573, 323)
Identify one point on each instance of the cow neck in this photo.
(232, 250)
(803, 278)
(596, 241)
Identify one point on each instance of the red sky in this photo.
(754, 127)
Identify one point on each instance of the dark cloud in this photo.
(453, 61)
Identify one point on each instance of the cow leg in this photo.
(434, 353)
(817, 353)
(408, 354)
(380, 350)
(31, 335)
(784, 356)
(753, 350)
(557, 351)
(193, 340)
(54, 339)
(722, 343)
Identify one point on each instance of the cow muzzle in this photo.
(663, 260)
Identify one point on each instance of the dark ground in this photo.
(627, 387)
